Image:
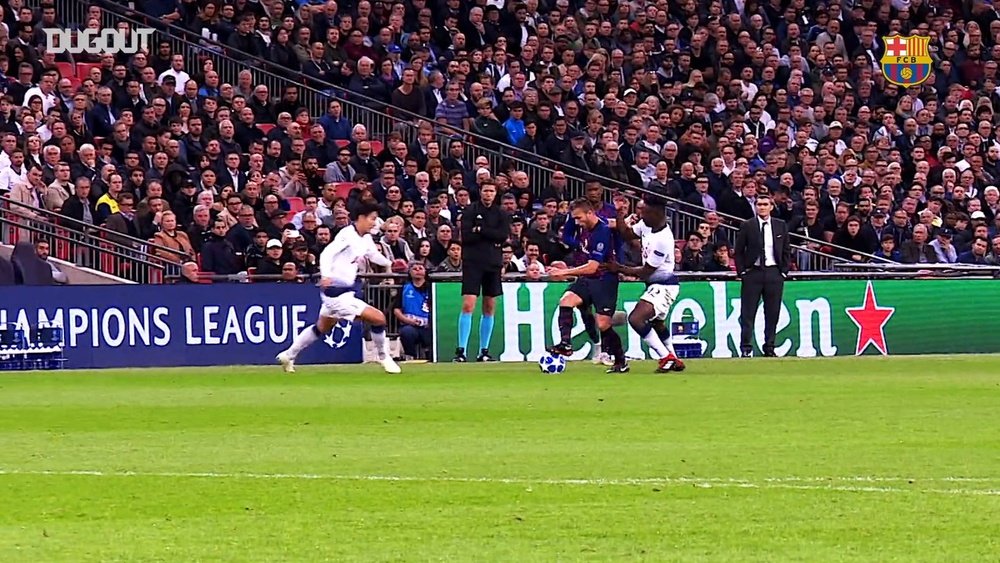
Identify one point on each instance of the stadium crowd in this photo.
(707, 102)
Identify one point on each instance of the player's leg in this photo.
(376, 320)
(471, 288)
(492, 287)
(577, 295)
(605, 297)
(647, 320)
(612, 342)
(309, 335)
(590, 325)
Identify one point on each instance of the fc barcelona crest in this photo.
(907, 60)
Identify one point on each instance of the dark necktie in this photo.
(763, 241)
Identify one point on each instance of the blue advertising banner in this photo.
(180, 325)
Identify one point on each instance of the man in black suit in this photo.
(762, 260)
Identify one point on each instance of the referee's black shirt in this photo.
(482, 247)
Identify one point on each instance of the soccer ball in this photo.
(552, 364)
(339, 336)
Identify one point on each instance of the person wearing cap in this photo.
(943, 247)
(273, 259)
(575, 154)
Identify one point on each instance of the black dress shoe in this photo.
(770, 354)
(746, 354)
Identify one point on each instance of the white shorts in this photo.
(661, 297)
(344, 307)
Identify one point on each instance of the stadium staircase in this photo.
(359, 109)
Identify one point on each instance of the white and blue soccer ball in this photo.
(339, 336)
(552, 364)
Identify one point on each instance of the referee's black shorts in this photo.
(479, 281)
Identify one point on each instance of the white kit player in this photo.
(338, 268)
(649, 316)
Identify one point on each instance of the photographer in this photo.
(485, 228)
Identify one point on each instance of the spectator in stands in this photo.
(200, 230)
(452, 263)
(917, 250)
(720, 260)
(977, 254)
(412, 312)
(124, 221)
(304, 261)
(290, 274)
(218, 255)
(241, 234)
(887, 248)
(943, 248)
(170, 237)
(855, 240)
(257, 251)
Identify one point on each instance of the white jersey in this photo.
(657, 252)
(339, 261)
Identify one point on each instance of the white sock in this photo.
(303, 341)
(597, 350)
(381, 344)
(669, 344)
(657, 345)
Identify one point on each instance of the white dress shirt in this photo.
(768, 234)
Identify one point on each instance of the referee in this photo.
(485, 227)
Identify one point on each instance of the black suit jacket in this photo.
(749, 243)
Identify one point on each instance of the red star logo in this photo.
(871, 320)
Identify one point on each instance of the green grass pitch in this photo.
(852, 459)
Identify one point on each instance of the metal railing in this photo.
(84, 245)
(380, 124)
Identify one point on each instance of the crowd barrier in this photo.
(818, 318)
(181, 325)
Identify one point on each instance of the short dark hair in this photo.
(362, 209)
(581, 203)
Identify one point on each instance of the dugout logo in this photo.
(98, 41)
(907, 60)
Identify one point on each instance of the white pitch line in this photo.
(790, 483)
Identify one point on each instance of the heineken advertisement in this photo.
(818, 318)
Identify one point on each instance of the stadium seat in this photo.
(83, 69)
(344, 189)
(341, 143)
(98, 141)
(251, 272)
(265, 128)
(66, 70)
(295, 204)
(377, 148)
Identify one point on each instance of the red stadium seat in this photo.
(265, 128)
(98, 141)
(295, 204)
(66, 70)
(251, 272)
(344, 189)
(377, 147)
(83, 69)
(341, 143)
